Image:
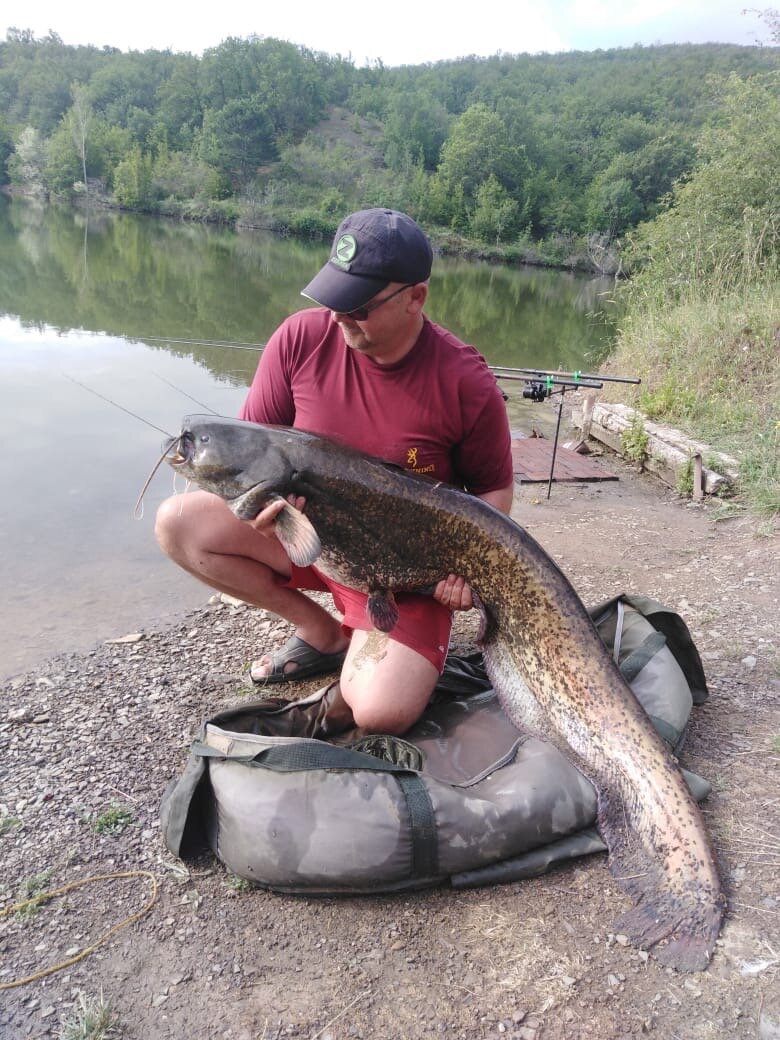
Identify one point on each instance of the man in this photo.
(369, 370)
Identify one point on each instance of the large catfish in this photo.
(373, 526)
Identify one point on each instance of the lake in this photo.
(166, 318)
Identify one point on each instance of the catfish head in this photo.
(248, 466)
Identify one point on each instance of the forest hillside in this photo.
(521, 153)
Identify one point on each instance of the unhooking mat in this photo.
(294, 798)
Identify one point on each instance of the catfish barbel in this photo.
(373, 526)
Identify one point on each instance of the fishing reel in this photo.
(536, 390)
(541, 383)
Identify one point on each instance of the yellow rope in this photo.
(44, 897)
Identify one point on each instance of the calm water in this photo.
(166, 319)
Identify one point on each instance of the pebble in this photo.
(19, 715)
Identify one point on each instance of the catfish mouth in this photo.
(180, 449)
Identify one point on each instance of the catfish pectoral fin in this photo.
(382, 609)
(301, 542)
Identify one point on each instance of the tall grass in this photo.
(702, 319)
(708, 356)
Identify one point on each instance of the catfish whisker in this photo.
(138, 511)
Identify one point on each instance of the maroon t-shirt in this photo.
(438, 411)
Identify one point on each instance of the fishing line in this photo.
(171, 439)
(121, 408)
(185, 394)
(257, 347)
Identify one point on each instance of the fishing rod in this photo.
(542, 383)
(586, 380)
(576, 377)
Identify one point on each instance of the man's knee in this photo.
(169, 525)
(373, 719)
(383, 704)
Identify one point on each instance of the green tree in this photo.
(416, 125)
(6, 147)
(108, 146)
(179, 103)
(62, 168)
(611, 204)
(121, 88)
(180, 176)
(133, 186)
(478, 150)
(26, 166)
(238, 138)
(630, 188)
(478, 146)
(496, 216)
(725, 218)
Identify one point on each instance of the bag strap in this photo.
(422, 825)
(291, 758)
(678, 637)
(296, 757)
(621, 616)
(638, 658)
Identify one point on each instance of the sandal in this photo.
(307, 661)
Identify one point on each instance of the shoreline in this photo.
(577, 258)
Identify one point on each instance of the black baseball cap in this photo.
(372, 248)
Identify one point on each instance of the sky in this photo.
(404, 33)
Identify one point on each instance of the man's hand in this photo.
(454, 593)
(263, 523)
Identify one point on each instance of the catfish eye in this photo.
(204, 438)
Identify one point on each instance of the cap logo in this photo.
(345, 251)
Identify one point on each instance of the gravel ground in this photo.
(89, 742)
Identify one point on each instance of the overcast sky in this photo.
(406, 32)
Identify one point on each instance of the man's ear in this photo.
(417, 297)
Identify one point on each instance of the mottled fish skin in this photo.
(545, 659)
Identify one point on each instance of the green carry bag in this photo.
(294, 798)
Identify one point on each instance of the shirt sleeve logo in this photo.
(411, 458)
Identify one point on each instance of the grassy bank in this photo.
(708, 361)
(702, 324)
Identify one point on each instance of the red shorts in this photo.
(423, 624)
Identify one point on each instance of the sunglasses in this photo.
(361, 313)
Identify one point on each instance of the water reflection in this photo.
(158, 316)
(141, 278)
